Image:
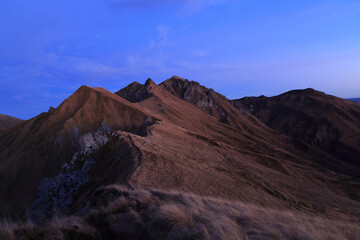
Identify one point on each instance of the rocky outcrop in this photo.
(136, 92)
(204, 98)
(55, 194)
(103, 158)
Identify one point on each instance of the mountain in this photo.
(330, 123)
(8, 121)
(354, 99)
(252, 139)
(39, 147)
(155, 161)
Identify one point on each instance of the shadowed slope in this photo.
(38, 147)
(208, 100)
(8, 121)
(136, 92)
(327, 122)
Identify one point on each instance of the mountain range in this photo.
(178, 159)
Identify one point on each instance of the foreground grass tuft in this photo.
(119, 213)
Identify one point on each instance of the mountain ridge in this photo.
(312, 117)
(170, 137)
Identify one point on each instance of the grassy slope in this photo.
(120, 213)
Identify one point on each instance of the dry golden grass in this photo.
(73, 228)
(171, 215)
(119, 213)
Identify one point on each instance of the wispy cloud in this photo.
(333, 10)
(154, 58)
(164, 32)
(202, 52)
(186, 6)
(90, 67)
(192, 6)
(141, 3)
(328, 12)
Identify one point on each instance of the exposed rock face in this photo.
(137, 92)
(92, 141)
(160, 96)
(8, 121)
(327, 122)
(103, 159)
(55, 194)
(202, 97)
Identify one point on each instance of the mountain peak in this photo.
(136, 92)
(85, 88)
(306, 91)
(177, 78)
(150, 82)
(135, 83)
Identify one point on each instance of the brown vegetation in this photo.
(119, 213)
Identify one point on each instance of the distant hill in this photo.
(354, 99)
(313, 117)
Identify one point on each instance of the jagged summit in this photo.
(136, 92)
(193, 92)
(150, 82)
(207, 99)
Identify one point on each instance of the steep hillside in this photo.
(37, 148)
(8, 121)
(327, 122)
(247, 155)
(207, 99)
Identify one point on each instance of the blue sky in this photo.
(48, 49)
